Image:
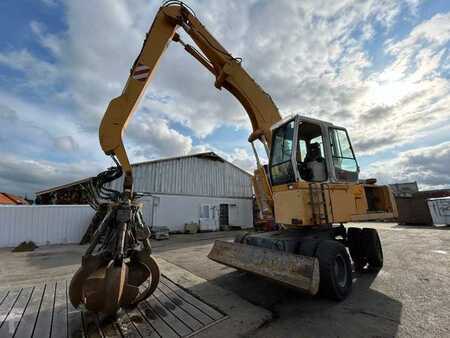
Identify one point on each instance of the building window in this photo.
(204, 211)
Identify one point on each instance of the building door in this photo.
(223, 215)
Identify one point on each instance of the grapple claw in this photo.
(129, 295)
(114, 285)
(122, 273)
(89, 265)
(150, 263)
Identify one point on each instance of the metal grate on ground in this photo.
(45, 311)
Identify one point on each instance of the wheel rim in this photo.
(340, 271)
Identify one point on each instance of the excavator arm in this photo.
(228, 72)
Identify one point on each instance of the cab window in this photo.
(281, 170)
(344, 161)
(310, 153)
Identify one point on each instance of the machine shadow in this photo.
(428, 227)
(295, 314)
(55, 257)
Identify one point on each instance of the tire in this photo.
(354, 243)
(374, 251)
(335, 270)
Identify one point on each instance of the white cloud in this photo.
(66, 143)
(50, 3)
(429, 166)
(21, 175)
(242, 159)
(316, 68)
(435, 31)
(412, 90)
(39, 132)
(39, 73)
(47, 40)
(154, 138)
(34, 154)
(313, 68)
(311, 56)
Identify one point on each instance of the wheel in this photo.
(374, 251)
(355, 245)
(335, 270)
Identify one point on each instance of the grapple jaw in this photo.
(300, 272)
(117, 269)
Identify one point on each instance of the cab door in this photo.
(281, 163)
(343, 160)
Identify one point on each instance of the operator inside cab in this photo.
(314, 164)
(311, 162)
(310, 159)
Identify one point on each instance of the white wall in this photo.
(60, 224)
(43, 224)
(174, 211)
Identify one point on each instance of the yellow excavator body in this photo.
(309, 188)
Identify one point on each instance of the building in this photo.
(10, 199)
(201, 188)
(69, 194)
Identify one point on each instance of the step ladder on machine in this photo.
(318, 204)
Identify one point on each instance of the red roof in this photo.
(6, 198)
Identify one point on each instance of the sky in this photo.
(379, 68)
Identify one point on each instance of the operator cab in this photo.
(306, 149)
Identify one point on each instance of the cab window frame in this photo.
(286, 161)
(333, 134)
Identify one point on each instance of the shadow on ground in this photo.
(365, 312)
(427, 227)
(47, 259)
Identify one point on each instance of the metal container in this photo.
(440, 210)
(413, 210)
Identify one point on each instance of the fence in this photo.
(43, 224)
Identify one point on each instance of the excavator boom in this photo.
(228, 72)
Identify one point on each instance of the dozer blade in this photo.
(301, 272)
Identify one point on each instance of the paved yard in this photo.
(409, 297)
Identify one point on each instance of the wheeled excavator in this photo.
(310, 187)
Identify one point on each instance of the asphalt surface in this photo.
(409, 297)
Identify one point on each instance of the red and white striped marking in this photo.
(141, 72)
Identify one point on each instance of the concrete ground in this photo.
(410, 296)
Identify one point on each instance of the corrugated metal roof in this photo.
(67, 185)
(6, 198)
(208, 155)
